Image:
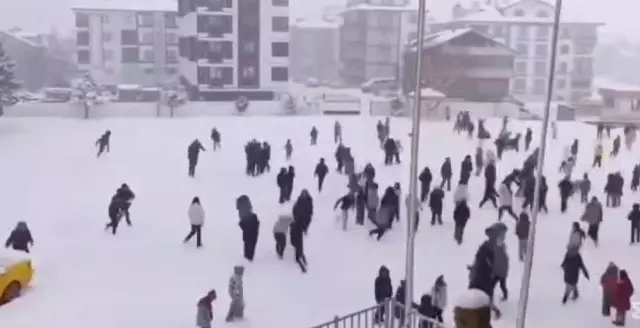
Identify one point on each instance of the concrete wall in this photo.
(68, 110)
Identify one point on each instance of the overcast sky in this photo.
(42, 15)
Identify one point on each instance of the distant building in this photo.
(231, 48)
(462, 63)
(372, 38)
(128, 42)
(37, 66)
(315, 49)
(526, 26)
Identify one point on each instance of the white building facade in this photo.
(232, 48)
(527, 27)
(315, 50)
(128, 43)
(372, 39)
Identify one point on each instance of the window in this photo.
(107, 37)
(519, 13)
(540, 69)
(520, 85)
(216, 73)
(562, 68)
(82, 20)
(84, 57)
(248, 72)
(172, 38)
(523, 32)
(82, 38)
(217, 24)
(522, 49)
(129, 37)
(249, 47)
(148, 56)
(542, 32)
(564, 49)
(280, 3)
(542, 50)
(107, 56)
(222, 75)
(172, 56)
(280, 49)
(539, 86)
(542, 14)
(280, 74)
(147, 37)
(171, 70)
(130, 55)
(170, 20)
(565, 33)
(560, 83)
(145, 20)
(280, 24)
(521, 67)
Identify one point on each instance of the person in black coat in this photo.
(303, 210)
(281, 181)
(296, 235)
(20, 238)
(427, 310)
(461, 215)
(383, 290)
(528, 136)
(572, 265)
(289, 179)
(398, 311)
(425, 183)
(215, 138)
(466, 168)
(250, 226)
(634, 218)
(104, 142)
(490, 193)
(116, 211)
(390, 149)
(436, 205)
(635, 178)
(314, 136)
(446, 172)
(193, 152)
(566, 188)
(126, 194)
(321, 172)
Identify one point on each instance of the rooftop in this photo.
(435, 39)
(128, 5)
(365, 6)
(21, 36)
(316, 23)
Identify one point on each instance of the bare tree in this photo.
(8, 83)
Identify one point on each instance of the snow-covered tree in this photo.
(86, 92)
(242, 104)
(8, 83)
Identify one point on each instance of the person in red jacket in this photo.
(622, 298)
(609, 282)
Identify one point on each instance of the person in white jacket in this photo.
(506, 202)
(461, 193)
(196, 218)
(281, 228)
(439, 297)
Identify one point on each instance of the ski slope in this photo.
(145, 277)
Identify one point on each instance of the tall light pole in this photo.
(413, 168)
(528, 264)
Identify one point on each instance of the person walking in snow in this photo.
(383, 290)
(321, 173)
(566, 189)
(479, 159)
(461, 193)
(116, 212)
(461, 215)
(337, 132)
(576, 237)
(280, 230)
(314, 136)
(622, 298)
(528, 137)
(196, 218)
(593, 215)
(288, 150)
(634, 219)
(597, 155)
(127, 196)
(501, 269)
(585, 187)
(236, 293)
(103, 143)
(204, 312)
(215, 139)
(436, 202)
(296, 234)
(250, 226)
(572, 265)
(345, 202)
(446, 172)
(609, 281)
(425, 183)
(303, 210)
(522, 232)
(20, 238)
(439, 297)
(193, 153)
(506, 202)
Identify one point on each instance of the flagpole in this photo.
(413, 168)
(528, 264)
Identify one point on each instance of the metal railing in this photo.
(388, 314)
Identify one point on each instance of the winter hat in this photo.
(238, 269)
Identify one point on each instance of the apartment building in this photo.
(315, 49)
(463, 64)
(372, 38)
(128, 42)
(232, 48)
(527, 27)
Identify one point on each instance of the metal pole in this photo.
(413, 169)
(528, 264)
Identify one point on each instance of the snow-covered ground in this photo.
(145, 276)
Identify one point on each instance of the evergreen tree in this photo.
(8, 83)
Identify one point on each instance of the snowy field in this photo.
(145, 277)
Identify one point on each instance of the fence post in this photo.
(336, 321)
(390, 317)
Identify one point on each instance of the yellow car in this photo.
(15, 275)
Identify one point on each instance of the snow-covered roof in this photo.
(317, 23)
(128, 5)
(365, 6)
(17, 36)
(609, 84)
(441, 37)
